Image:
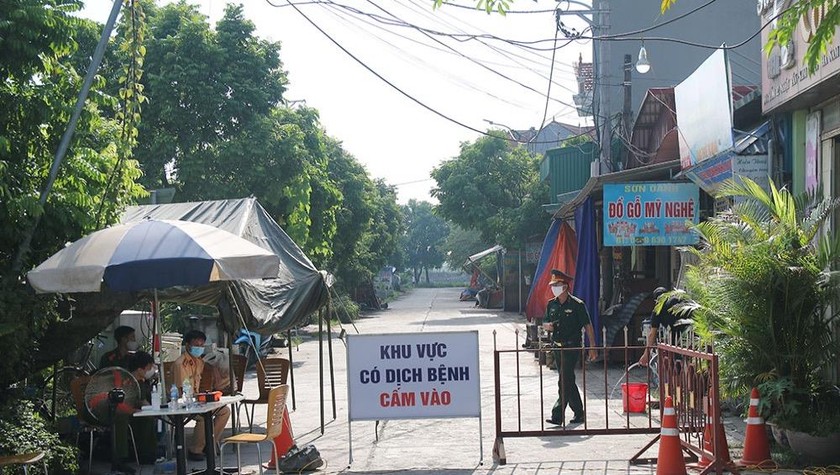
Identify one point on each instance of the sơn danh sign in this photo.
(413, 375)
(650, 214)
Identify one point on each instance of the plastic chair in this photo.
(24, 460)
(273, 427)
(271, 372)
(88, 424)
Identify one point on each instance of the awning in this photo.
(747, 157)
(657, 171)
(477, 257)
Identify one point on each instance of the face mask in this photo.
(557, 290)
(197, 351)
(150, 374)
(131, 345)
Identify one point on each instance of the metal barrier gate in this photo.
(524, 389)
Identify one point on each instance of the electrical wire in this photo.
(478, 62)
(454, 79)
(548, 92)
(391, 84)
(507, 12)
(497, 50)
(690, 43)
(658, 25)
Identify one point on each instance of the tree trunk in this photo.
(427, 275)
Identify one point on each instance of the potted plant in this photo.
(762, 291)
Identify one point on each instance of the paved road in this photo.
(446, 445)
(439, 445)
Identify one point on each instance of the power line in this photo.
(548, 92)
(386, 81)
(453, 78)
(659, 25)
(481, 64)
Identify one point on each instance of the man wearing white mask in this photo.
(565, 316)
(190, 366)
(126, 344)
(142, 367)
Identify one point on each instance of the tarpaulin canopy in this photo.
(559, 251)
(471, 264)
(268, 306)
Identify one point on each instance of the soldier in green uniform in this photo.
(565, 316)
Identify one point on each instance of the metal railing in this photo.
(525, 387)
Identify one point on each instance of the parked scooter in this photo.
(249, 342)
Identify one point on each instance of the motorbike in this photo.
(252, 344)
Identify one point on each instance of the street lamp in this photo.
(642, 64)
(513, 134)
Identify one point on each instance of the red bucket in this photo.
(634, 396)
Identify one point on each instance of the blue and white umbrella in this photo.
(152, 254)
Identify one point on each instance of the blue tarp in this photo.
(588, 275)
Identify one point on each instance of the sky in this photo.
(470, 81)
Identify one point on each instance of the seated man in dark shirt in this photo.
(126, 345)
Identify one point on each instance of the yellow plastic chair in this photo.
(25, 460)
(271, 372)
(273, 427)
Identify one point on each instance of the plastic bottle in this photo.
(188, 393)
(155, 398)
(173, 397)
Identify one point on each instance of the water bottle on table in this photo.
(173, 397)
(188, 393)
(155, 397)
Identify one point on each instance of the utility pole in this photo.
(601, 67)
(602, 75)
(625, 119)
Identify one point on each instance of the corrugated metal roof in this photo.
(596, 183)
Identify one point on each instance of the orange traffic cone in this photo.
(708, 445)
(284, 441)
(756, 445)
(670, 460)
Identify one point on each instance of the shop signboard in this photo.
(413, 375)
(704, 111)
(650, 213)
(785, 75)
(532, 251)
(710, 174)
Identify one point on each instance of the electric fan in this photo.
(112, 392)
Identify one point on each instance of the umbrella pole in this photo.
(156, 343)
(321, 362)
(332, 363)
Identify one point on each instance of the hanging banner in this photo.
(413, 375)
(650, 214)
(812, 147)
(704, 111)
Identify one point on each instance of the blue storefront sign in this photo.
(650, 214)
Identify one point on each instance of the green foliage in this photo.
(22, 430)
(786, 27)
(764, 296)
(493, 187)
(823, 36)
(37, 96)
(344, 309)
(499, 6)
(424, 236)
(461, 244)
